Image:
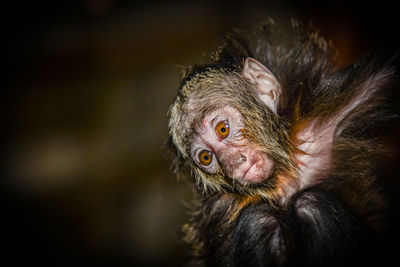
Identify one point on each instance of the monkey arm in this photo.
(315, 224)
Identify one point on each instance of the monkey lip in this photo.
(248, 170)
(253, 174)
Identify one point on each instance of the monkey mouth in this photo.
(249, 170)
(256, 169)
(259, 170)
(254, 174)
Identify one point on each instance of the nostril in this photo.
(242, 158)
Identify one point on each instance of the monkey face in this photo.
(219, 144)
(226, 128)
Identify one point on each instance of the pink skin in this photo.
(239, 159)
(260, 169)
(256, 168)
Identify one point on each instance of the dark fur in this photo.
(334, 223)
(307, 234)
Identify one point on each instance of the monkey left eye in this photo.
(205, 157)
(222, 129)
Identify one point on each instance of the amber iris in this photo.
(205, 157)
(222, 129)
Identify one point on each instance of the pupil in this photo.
(223, 130)
(205, 158)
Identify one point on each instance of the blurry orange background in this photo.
(87, 88)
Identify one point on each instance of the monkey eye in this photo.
(205, 157)
(222, 129)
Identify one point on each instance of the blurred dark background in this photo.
(87, 87)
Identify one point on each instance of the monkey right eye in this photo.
(205, 157)
(222, 129)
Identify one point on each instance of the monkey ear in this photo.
(267, 85)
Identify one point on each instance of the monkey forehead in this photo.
(215, 85)
(208, 97)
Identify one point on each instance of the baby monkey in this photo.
(284, 151)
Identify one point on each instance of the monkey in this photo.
(285, 151)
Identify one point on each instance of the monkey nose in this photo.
(242, 158)
(238, 160)
(233, 164)
(231, 161)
